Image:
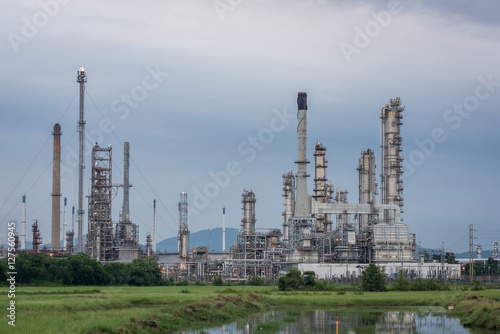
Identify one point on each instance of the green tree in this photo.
(401, 283)
(145, 272)
(119, 271)
(309, 278)
(88, 271)
(372, 278)
(450, 258)
(291, 281)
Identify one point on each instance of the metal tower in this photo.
(391, 182)
(289, 195)
(100, 228)
(323, 189)
(248, 206)
(126, 232)
(81, 79)
(367, 185)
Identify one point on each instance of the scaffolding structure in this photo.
(100, 226)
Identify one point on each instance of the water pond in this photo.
(415, 320)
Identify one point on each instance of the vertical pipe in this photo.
(154, 226)
(23, 224)
(81, 79)
(56, 189)
(223, 228)
(73, 219)
(65, 224)
(126, 167)
(382, 199)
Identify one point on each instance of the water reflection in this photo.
(345, 321)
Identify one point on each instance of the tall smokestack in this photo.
(223, 228)
(81, 79)
(154, 226)
(23, 224)
(65, 224)
(56, 189)
(302, 208)
(126, 167)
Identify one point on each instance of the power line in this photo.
(133, 162)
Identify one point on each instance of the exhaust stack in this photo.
(302, 208)
(56, 189)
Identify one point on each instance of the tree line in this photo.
(81, 269)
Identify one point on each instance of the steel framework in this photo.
(100, 235)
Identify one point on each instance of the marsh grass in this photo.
(146, 309)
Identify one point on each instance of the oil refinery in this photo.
(322, 231)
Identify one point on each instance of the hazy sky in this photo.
(206, 90)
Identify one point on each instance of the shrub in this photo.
(218, 281)
(401, 283)
(256, 281)
(184, 282)
(291, 281)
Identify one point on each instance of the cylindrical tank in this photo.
(248, 204)
(392, 182)
(184, 244)
(367, 187)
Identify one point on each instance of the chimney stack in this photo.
(56, 189)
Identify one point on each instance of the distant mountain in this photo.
(464, 255)
(211, 238)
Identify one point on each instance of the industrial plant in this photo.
(321, 231)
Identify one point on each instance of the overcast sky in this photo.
(200, 87)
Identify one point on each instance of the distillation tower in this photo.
(391, 182)
(323, 188)
(367, 188)
(254, 253)
(289, 195)
(100, 225)
(183, 235)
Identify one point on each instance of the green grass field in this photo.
(129, 309)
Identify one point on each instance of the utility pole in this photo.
(442, 260)
(471, 256)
